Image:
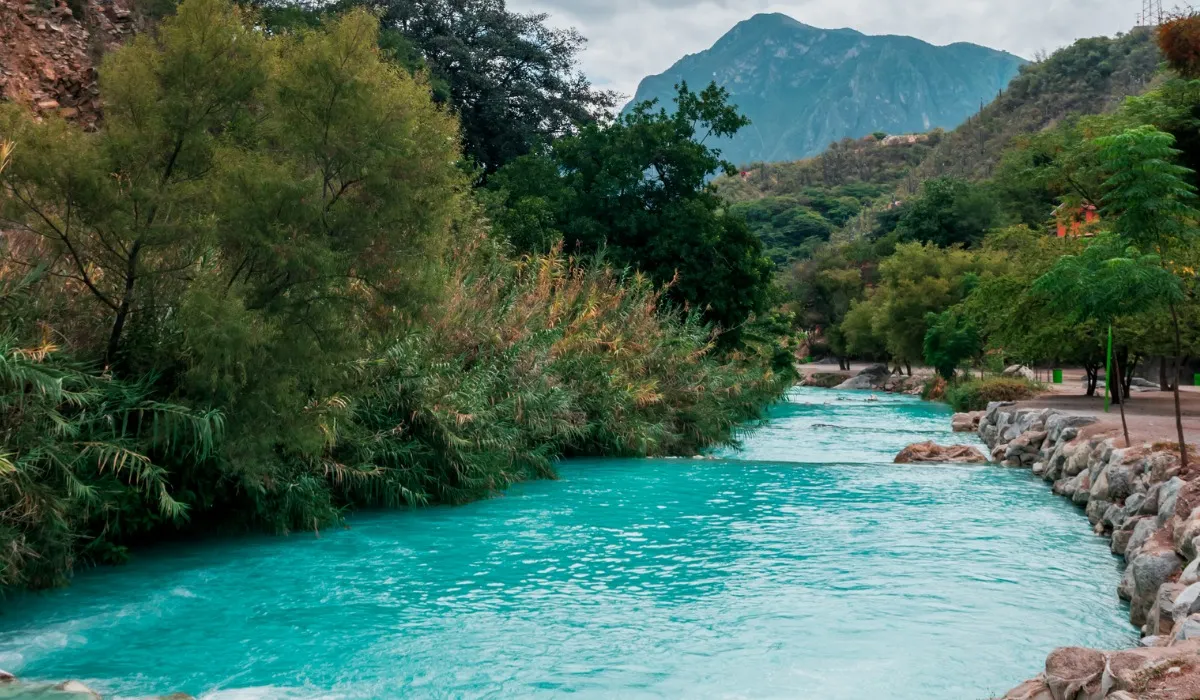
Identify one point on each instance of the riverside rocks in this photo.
(881, 378)
(931, 452)
(1151, 510)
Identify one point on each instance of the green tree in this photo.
(639, 190)
(949, 212)
(1149, 201)
(951, 340)
(919, 279)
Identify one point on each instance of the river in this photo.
(804, 566)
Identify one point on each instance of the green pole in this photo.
(1108, 373)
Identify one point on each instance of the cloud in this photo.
(630, 39)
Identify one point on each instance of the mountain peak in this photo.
(804, 87)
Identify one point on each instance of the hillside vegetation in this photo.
(859, 188)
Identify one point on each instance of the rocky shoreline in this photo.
(1140, 498)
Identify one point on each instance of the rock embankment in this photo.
(1140, 498)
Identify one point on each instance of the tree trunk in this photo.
(1117, 392)
(908, 368)
(118, 327)
(1093, 378)
(1183, 455)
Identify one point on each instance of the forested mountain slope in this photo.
(804, 87)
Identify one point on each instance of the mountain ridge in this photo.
(804, 87)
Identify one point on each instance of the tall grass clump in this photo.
(976, 394)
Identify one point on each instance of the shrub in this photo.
(975, 395)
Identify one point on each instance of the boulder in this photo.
(1151, 569)
(1073, 673)
(1191, 573)
(1143, 530)
(1133, 673)
(1186, 602)
(1096, 509)
(1187, 629)
(1163, 613)
(931, 452)
(1032, 689)
(872, 377)
(77, 688)
(1020, 371)
(6, 677)
(966, 422)
(1167, 497)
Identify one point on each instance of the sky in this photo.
(630, 39)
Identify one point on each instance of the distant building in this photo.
(1076, 223)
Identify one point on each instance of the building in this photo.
(1076, 223)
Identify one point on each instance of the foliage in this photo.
(1179, 40)
(639, 190)
(950, 341)
(917, 280)
(512, 80)
(948, 212)
(975, 395)
(273, 298)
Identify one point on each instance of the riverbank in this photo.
(1148, 505)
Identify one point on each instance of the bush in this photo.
(975, 395)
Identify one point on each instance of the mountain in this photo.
(804, 87)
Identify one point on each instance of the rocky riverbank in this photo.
(1141, 499)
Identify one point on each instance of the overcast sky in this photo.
(630, 39)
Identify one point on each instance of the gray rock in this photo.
(1166, 499)
(1143, 530)
(1187, 602)
(872, 377)
(1125, 587)
(1189, 629)
(1151, 569)
(1191, 573)
(1096, 510)
(1153, 640)
(1120, 541)
(77, 688)
(1150, 505)
(1163, 614)
(1020, 371)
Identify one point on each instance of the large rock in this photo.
(872, 377)
(1151, 569)
(931, 452)
(1074, 673)
(1163, 613)
(966, 422)
(1020, 371)
(79, 689)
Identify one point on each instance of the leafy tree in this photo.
(512, 80)
(919, 279)
(1150, 203)
(950, 341)
(1107, 280)
(639, 190)
(948, 212)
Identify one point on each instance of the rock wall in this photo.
(49, 53)
(1141, 499)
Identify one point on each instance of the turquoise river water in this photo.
(804, 566)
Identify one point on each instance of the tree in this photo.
(1107, 280)
(948, 212)
(950, 341)
(1150, 202)
(512, 80)
(916, 281)
(639, 190)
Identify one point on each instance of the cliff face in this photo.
(804, 87)
(49, 51)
